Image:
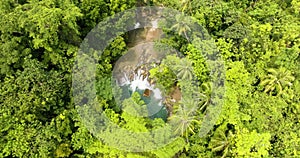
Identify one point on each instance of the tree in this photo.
(205, 95)
(252, 144)
(258, 41)
(221, 142)
(164, 77)
(181, 26)
(186, 4)
(34, 111)
(184, 120)
(277, 80)
(184, 69)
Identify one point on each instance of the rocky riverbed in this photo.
(131, 71)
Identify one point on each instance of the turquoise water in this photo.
(154, 109)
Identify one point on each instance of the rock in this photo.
(147, 93)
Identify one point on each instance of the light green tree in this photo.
(181, 26)
(205, 95)
(186, 5)
(184, 69)
(221, 142)
(277, 80)
(252, 144)
(184, 120)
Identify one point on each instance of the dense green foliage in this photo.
(258, 40)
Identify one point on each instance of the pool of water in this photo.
(155, 107)
(142, 52)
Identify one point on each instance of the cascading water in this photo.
(151, 95)
(131, 77)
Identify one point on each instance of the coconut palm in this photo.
(189, 103)
(184, 121)
(185, 4)
(205, 95)
(277, 80)
(181, 26)
(184, 69)
(221, 142)
(201, 96)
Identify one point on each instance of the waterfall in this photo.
(140, 82)
(131, 70)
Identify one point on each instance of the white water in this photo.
(154, 24)
(137, 25)
(139, 82)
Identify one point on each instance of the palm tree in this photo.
(184, 69)
(189, 103)
(181, 26)
(205, 95)
(184, 120)
(201, 96)
(277, 80)
(221, 142)
(186, 4)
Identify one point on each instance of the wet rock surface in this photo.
(131, 71)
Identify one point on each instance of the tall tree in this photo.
(277, 80)
(184, 69)
(182, 26)
(184, 120)
(221, 142)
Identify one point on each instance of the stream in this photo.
(131, 71)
